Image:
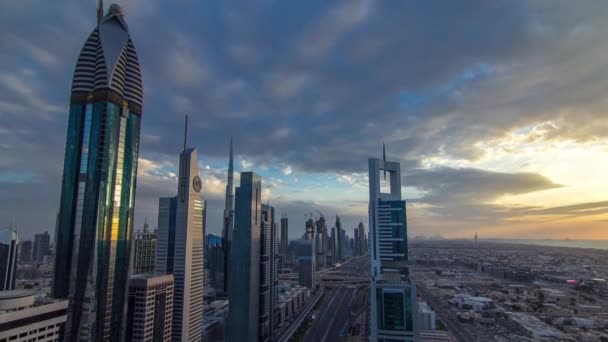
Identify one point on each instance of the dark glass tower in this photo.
(95, 223)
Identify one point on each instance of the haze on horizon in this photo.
(497, 110)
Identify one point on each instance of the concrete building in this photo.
(94, 228)
(145, 251)
(426, 317)
(42, 247)
(9, 247)
(245, 261)
(150, 308)
(25, 251)
(40, 323)
(16, 300)
(393, 296)
(339, 252)
(180, 246)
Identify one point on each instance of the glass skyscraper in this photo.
(244, 286)
(393, 295)
(95, 221)
(9, 246)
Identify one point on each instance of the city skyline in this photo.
(487, 141)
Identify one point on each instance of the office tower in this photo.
(333, 245)
(342, 243)
(94, 229)
(305, 254)
(339, 250)
(180, 246)
(284, 236)
(150, 308)
(215, 262)
(42, 246)
(25, 251)
(393, 296)
(36, 323)
(361, 240)
(321, 242)
(245, 261)
(145, 250)
(9, 246)
(268, 272)
(310, 230)
(228, 228)
(357, 246)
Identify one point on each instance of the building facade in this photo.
(42, 246)
(145, 251)
(25, 251)
(150, 308)
(180, 247)
(9, 247)
(94, 228)
(40, 323)
(393, 296)
(245, 261)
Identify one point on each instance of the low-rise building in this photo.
(35, 323)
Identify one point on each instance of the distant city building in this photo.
(393, 296)
(42, 246)
(305, 253)
(180, 247)
(284, 237)
(35, 323)
(321, 243)
(333, 243)
(9, 247)
(357, 240)
(339, 257)
(245, 261)
(145, 251)
(360, 241)
(228, 228)
(150, 308)
(94, 228)
(215, 262)
(25, 251)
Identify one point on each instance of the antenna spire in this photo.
(99, 11)
(186, 134)
(384, 158)
(230, 162)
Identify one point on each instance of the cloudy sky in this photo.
(497, 110)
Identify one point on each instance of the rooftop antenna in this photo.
(384, 158)
(99, 11)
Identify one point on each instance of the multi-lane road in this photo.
(332, 316)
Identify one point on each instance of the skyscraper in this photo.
(284, 237)
(321, 242)
(145, 250)
(357, 242)
(393, 296)
(181, 238)
(269, 295)
(361, 241)
(94, 229)
(228, 227)
(339, 253)
(9, 246)
(25, 251)
(42, 246)
(150, 309)
(245, 261)
(214, 259)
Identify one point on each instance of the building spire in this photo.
(384, 158)
(99, 11)
(230, 162)
(186, 134)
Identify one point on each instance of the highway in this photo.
(332, 316)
